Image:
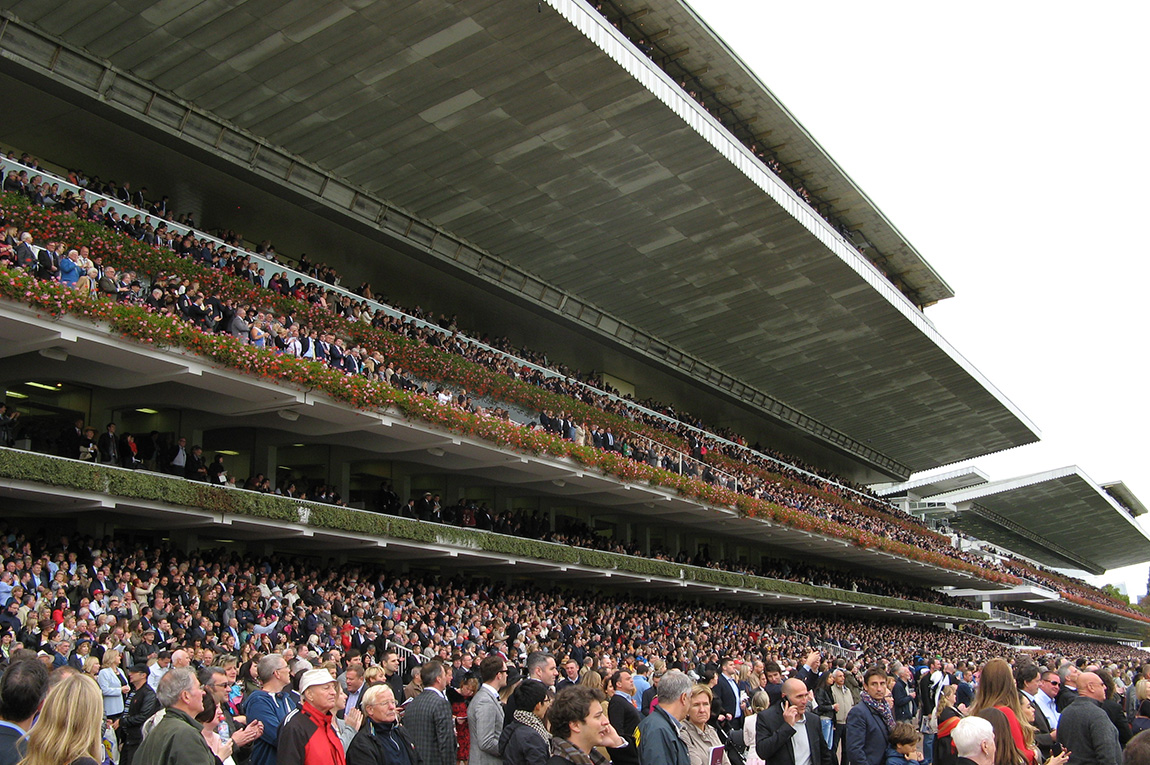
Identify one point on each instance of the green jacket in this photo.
(177, 740)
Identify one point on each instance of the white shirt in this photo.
(1048, 708)
(737, 712)
(801, 743)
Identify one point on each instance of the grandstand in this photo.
(739, 309)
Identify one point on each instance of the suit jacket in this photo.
(729, 699)
(26, 257)
(485, 723)
(12, 746)
(109, 447)
(773, 738)
(429, 721)
(1065, 698)
(192, 468)
(809, 676)
(903, 703)
(646, 700)
(864, 742)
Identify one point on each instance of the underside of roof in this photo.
(550, 145)
(1057, 517)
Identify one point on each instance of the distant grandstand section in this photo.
(1059, 517)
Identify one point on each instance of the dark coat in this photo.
(903, 701)
(773, 738)
(1042, 738)
(659, 742)
(12, 746)
(382, 744)
(1085, 729)
(520, 745)
(866, 737)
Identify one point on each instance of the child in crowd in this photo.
(904, 744)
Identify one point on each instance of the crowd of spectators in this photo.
(133, 614)
(102, 591)
(757, 475)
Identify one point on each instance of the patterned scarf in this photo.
(881, 708)
(574, 754)
(532, 722)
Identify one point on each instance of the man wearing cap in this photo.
(308, 736)
(140, 704)
(147, 648)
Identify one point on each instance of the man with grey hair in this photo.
(541, 667)
(973, 739)
(844, 700)
(178, 739)
(271, 706)
(659, 740)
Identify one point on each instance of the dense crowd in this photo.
(121, 611)
(745, 470)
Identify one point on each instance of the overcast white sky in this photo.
(1007, 141)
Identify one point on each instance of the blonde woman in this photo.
(113, 684)
(68, 731)
(759, 702)
(700, 737)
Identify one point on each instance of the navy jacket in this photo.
(866, 737)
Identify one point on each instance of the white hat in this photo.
(314, 677)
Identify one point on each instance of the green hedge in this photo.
(1072, 629)
(27, 466)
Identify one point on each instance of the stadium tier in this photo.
(521, 193)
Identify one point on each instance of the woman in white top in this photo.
(759, 702)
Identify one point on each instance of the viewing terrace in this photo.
(210, 397)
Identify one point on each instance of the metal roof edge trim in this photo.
(612, 42)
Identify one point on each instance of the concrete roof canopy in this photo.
(1059, 517)
(549, 143)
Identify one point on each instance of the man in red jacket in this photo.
(308, 736)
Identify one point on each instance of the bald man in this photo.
(1084, 727)
(786, 734)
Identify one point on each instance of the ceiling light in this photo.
(227, 452)
(55, 354)
(288, 415)
(145, 410)
(14, 394)
(43, 386)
